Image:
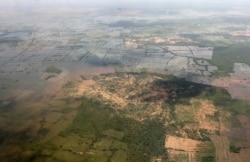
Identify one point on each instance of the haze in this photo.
(124, 81)
(128, 3)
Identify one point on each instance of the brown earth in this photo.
(237, 86)
(182, 149)
(90, 88)
(45, 113)
(206, 108)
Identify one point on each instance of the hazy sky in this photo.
(147, 3)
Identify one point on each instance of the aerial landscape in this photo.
(114, 82)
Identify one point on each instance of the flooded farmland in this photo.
(124, 84)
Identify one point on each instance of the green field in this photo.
(225, 57)
(99, 132)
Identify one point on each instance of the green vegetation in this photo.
(175, 91)
(208, 159)
(101, 133)
(43, 131)
(197, 104)
(214, 117)
(38, 146)
(225, 57)
(96, 120)
(235, 123)
(69, 88)
(206, 154)
(234, 149)
(222, 98)
(122, 116)
(185, 116)
(69, 85)
(180, 157)
(50, 76)
(53, 69)
(198, 134)
(2, 136)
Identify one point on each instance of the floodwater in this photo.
(19, 34)
(44, 55)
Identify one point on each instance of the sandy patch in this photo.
(241, 33)
(131, 44)
(178, 143)
(206, 109)
(182, 149)
(200, 115)
(159, 40)
(90, 88)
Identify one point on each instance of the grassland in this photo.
(103, 135)
(120, 116)
(53, 69)
(225, 57)
(156, 106)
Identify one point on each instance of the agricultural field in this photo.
(122, 85)
(100, 120)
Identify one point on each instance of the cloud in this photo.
(15, 3)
